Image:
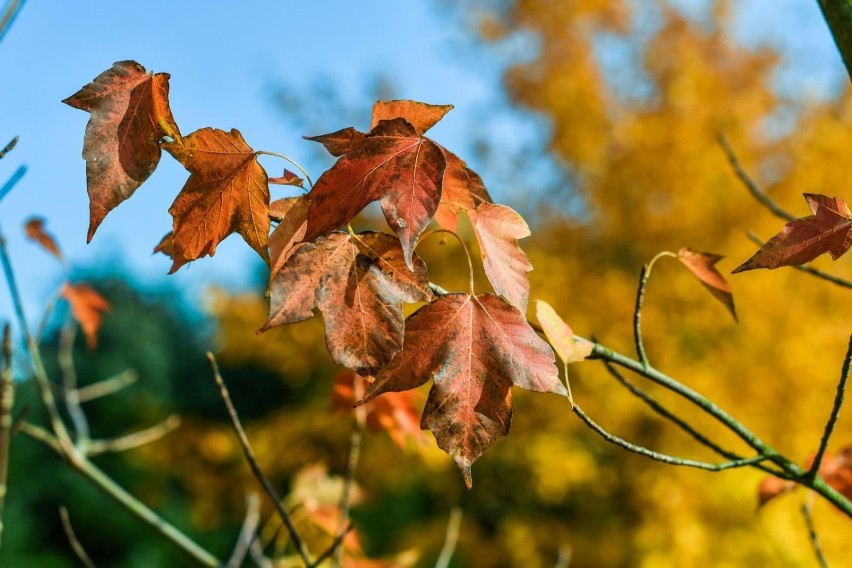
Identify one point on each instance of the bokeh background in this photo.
(597, 119)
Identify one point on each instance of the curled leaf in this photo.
(702, 266)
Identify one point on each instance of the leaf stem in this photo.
(835, 411)
(292, 161)
(464, 246)
(644, 275)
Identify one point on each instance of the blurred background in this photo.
(597, 120)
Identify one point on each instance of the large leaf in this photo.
(227, 192)
(130, 115)
(475, 348)
(359, 285)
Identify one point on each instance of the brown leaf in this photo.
(359, 285)
(289, 178)
(828, 230)
(392, 163)
(166, 245)
(702, 265)
(130, 115)
(475, 348)
(497, 229)
(292, 216)
(340, 142)
(560, 335)
(463, 190)
(421, 116)
(34, 229)
(227, 192)
(88, 308)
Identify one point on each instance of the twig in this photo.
(835, 412)
(73, 540)
(134, 440)
(9, 15)
(752, 187)
(813, 536)
(19, 419)
(335, 545)
(451, 538)
(65, 357)
(256, 552)
(644, 275)
(298, 543)
(7, 399)
(107, 386)
(842, 282)
(12, 181)
(248, 533)
(8, 147)
(349, 477)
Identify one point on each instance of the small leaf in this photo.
(166, 245)
(702, 266)
(88, 308)
(292, 216)
(289, 178)
(771, 487)
(421, 116)
(34, 229)
(560, 335)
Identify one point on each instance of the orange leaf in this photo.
(166, 245)
(291, 214)
(463, 190)
(34, 229)
(88, 308)
(421, 116)
(227, 192)
(771, 487)
(702, 265)
(560, 335)
(476, 348)
(289, 178)
(130, 115)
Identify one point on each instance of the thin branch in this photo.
(248, 533)
(842, 282)
(12, 181)
(348, 479)
(256, 552)
(65, 357)
(42, 435)
(644, 275)
(134, 440)
(298, 543)
(749, 184)
(7, 399)
(19, 419)
(73, 540)
(107, 386)
(451, 538)
(835, 411)
(813, 536)
(9, 15)
(8, 147)
(336, 544)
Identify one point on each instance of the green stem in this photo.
(835, 411)
(640, 298)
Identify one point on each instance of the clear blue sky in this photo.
(223, 58)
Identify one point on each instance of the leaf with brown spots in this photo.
(130, 116)
(359, 285)
(88, 308)
(422, 116)
(828, 230)
(703, 266)
(34, 230)
(227, 192)
(392, 163)
(560, 335)
(476, 348)
(498, 229)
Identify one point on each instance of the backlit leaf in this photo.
(88, 308)
(560, 335)
(421, 116)
(34, 229)
(292, 215)
(702, 265)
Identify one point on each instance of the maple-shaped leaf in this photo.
(498, 229)
(227, 192)
(393, 164)
(561, 336)
(476, 348)
(463, 190)
(88, 308)
(34, 230)
(166, 245)
(292, 216)
(828, 230)
(339, 142)
(395, 413)
(422, 116)
(289, 178)
(130, 116)
(359, 285)
(703, 266)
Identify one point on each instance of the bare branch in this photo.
(813, 536)
(73, 540)
(451, 538)
(107, 386)
(835, 412)
(134, 440)
(248, 533)
(7, 399)
(65, 356)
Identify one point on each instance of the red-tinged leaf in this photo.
(130, 115)
(463, 190)
(394, 413)
(771, 487)
(292, 216)
(359, 285)
(166, 245)
(340, 142)
(703, 266)
(828, 230)
(560, 335)
(34, 229)
(421, 116)
(475, 348)
(227, 192)
(392, 163)
(88, 308)
(497, 229)
(289, 178)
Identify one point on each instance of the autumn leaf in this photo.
(227, 192)
(476, 348)
(392, 163)
(34, 230)
(560, 335)
(288, 178)
(421, 116)
(771, 487)
(497, 229)
(130, 116)
(463, 190)
(702, 266)
(339, 142)
(166, 245)
(292, 215)
(88, 308)
(828, 230)
(359, 285)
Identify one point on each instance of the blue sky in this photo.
(224, 58)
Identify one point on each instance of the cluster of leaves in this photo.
(476, 346)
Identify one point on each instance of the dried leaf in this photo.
(340, 142)
(463, 190)
(88, 308)
(34, 229)
(289, 178)
(421, 116)
(702, 265)
(227, 192)
(475, 348)
(392, 163)
(560, 335)
(497, 229)
(828, 230)
(292, 216)
(130, 115)
(359, 285)
(166, 245)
